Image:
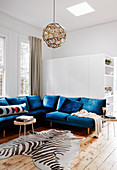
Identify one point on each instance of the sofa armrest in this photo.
(104, 110)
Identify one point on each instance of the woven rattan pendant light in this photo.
(54, 34)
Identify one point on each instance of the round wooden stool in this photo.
(25, 123)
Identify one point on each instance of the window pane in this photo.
(24, 68)
(2, 43)
(2, 67)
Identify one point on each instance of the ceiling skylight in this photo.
(81, 9)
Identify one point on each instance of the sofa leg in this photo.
(88, 131)
(4, 133)
(51, 124)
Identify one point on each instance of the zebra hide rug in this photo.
(50, 150)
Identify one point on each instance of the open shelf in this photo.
(110, 66)
(108, 96)
(109, 75)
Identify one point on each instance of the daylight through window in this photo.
(24, 68)
(2, 66)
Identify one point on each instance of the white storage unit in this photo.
(84, 76)
(109, 84)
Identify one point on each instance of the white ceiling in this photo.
(39, 12)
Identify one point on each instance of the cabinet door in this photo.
(96, 76)
(61, 76)
(47, 77)
(78, 76)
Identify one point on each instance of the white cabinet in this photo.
(86, 76)
(60, 76)
(96, 76)
(78, 76)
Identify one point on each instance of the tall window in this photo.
(24, 68)
(2, 66)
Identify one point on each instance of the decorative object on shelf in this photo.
(108, 88)
(54, 34)
(108, 91)
(108, 61)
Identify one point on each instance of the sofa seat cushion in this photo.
(62, 99)
(7, 118)
(50, 101)
(34, 102)
(71, 106)
(94, 105)
(47, 109)
(81, 121)
(57, 115)
(40, 113)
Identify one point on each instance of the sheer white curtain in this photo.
(36, 58)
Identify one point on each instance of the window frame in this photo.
(3, 67)
(19, 65)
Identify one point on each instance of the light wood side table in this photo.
(108, 121)
(16, 122)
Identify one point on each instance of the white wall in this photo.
(14, 30)
(93, 40)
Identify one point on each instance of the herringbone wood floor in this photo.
(95, 153)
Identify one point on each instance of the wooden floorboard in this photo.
(95, 153)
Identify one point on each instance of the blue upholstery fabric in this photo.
(47, 109)
(12, 100)
(38, 112)
(94, 105)
(81, 121)
(62, 99)
(18, 100)
(71, 123)
(34, 102)
(71, 106)
(50, 101)
(5, 118)
(57, 115)
(23, 99)
(3, 102)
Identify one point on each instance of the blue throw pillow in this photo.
(50, 101)
(71, 106)
(34, 102)
(94, 105)
(3, 102)
(62, 99)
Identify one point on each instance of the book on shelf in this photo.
(24, 118)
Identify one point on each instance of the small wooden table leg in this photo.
(4, 133)
(50, 124)
(88, 131)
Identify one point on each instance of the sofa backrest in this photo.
(18, 100)
(93, 105)
(50, 101)
(34, 102)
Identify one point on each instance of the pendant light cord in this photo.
(53, 11)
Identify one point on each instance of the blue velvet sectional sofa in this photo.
(56, 109)
(63, 111)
